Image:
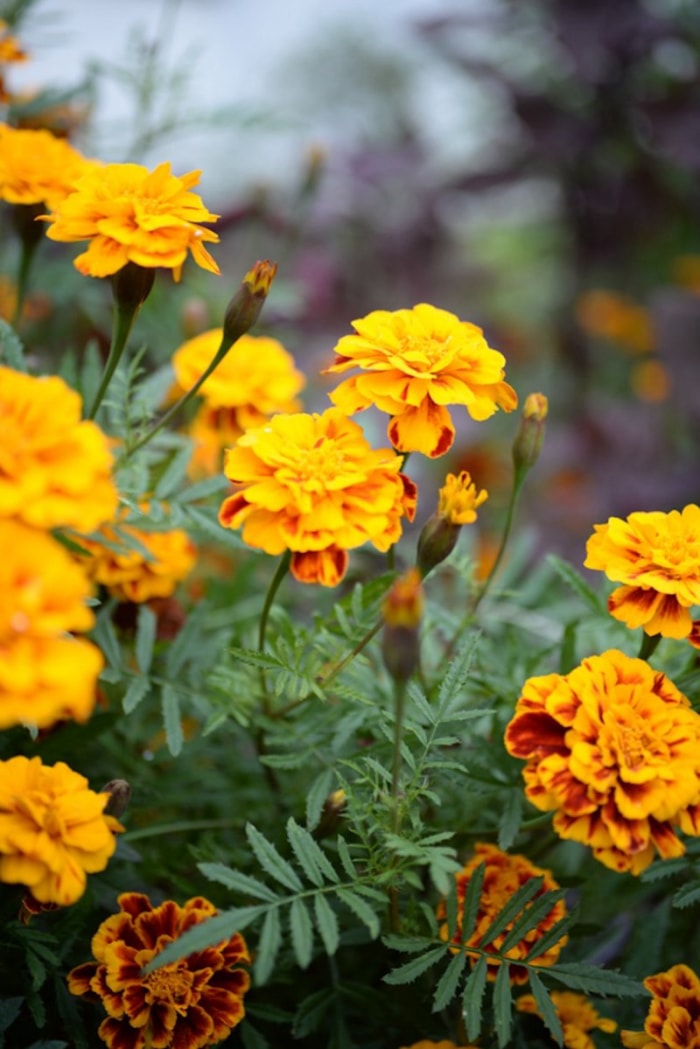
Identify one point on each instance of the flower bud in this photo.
(402, 611)
(528, 439)
(331, 814)
(244, 308)
(457, 505)
(131, 286)
(119, 795)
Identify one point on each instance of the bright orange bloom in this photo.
(613, 748)
(459, 500)
(55, 470)
(53, 830)
(38, 168)
(503, 876)
(576, 1014)
(657, 558)
(413, 364)
(673, 1020)
(190, 1004)
(131, 214)
(609, 315)
(312, 484)
(45, 675)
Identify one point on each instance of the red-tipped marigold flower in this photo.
(576, 1015)
(656, 556)
(311, 484)
(413, 364)
(503, 876)
(673, 1020)
(190, 1004)
(458, 501)
(612, 748)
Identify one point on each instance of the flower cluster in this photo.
(576, 1015)
(612, 747)
(656, 556)
(189, 1004)
(503, 876)
(53, 829)
(38, 168)
(673, 1020)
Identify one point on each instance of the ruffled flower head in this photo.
(673, 1020)
(576, 1014)
(38, 168)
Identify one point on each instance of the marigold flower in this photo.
(190, 1004)
(53, 831)
(312, 484)
(503, 876)
(612, 747)
(55, 470)
(458, 501)
(656, 556)
(38, 168)
(413, 364)
(128, 573)
(576, 1014)
(609, 315)
(673, 1020)
(10, 51)
(131, 214)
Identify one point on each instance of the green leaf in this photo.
(252, 1038)
(9, 1011)
(270, 860)
(207, 933)
(311, 1012)
(310, 855)
(145, 637)
(268, 946)
(576, 582)
(686, 896)
(448, 982)
(545, 1007)
(203, 489)
(170, 706)
(316, 797)
(360, 909)
(174, 473)
(513, 907)
(105, 637)
(457, 674)
(302, 932)
(509, 823)
(238, 882)
(552, 936)
(664, 869)
(137, 688)
(531, 917)
(11, 349)
(472, 899)
(502, 1005)
(345, 857)
(472, 996)
(410, 971)
(326, 923)
(591, 979)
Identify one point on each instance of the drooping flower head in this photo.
(413, 363)
(189, 1004)
(503, 876)
(311, 484)
(612, 748)
(55, 470)
(673, 1020)
(656, 556)
(53, 830)
(45, 675)
(131, 214)
(576, 1014)
(38, 168)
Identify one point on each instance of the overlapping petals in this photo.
(673, 1020)
(190, 1004)
(53, 830)
(413, 364)
(578, 1017)
(459, 500)
(656, 556)
(311, 484)
(612, 747)
(38, 168)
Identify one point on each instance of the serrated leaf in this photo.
(252, 1038)
(531, 917)
(502, 1005)
(145, 637)
(576, 582)
(174, 473)
(37, 969)
(513, 907)
(302, 932)
(545, 1007)
(664, 869)
(472, 899)
(591, 979)
(203, 489)
(311, 1012)
(472, 997)
(268, 946)
(451, 911)
(207, 933)
(360, 909)
(238, 882)
(406, 944)
(410, 971)
(11, 348)
(552, 936)
(345, 857)
(326, 923)
(448, 982)
(686, 896)
(457, 673)
(509, 823)
(316, 797)
(136, 690)
(270, 860)
(172, 722)
(105, 637)
(310, 855)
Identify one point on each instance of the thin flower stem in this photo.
(399, 706)
(362, 643)
(648, 645)
(122, 321)
(275, 582)
(518, 480)
(28, 251)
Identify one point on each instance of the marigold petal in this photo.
(427, 429)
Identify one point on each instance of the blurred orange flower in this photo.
(131, 214)
(413, 364)
(609, 315)
(673, 1020)
(10, 51)
(657, 557)
(503, 876)
(312, 484)
(576, 1014)
(613, 748)
(38, 168)
(189, 1004)
(53, 830)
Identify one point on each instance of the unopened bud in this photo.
(119, 796)
(131, 286)
(528, 440)
(402, 611)
(457, 505)
(330, 814)
(244, 308)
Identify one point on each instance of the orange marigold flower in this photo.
(53, 830)
(10, 51)
(38, 168)
(45, 676)
(609, 315)
(413, 364)
(312, 484)
(613, 748)
(576, 1014)
(458, 499)
(130, 574)
(673, 1020)
(131, 214)
(656, 556)
(503, 876)
(190, 1004)
(55, 470)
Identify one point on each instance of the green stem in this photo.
(25, 264)
(400, 698)
(122, 321)
(518, 481)
(334, 670)
(648, 645)
(280, 573)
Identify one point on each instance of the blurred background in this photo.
(532, 166)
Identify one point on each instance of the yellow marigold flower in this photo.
(656, 556)
(503, 876)
(609, 315)
(55, 470)
(673, 1020)
(458, 499)
(129, 574)
(312, 484)
(53, 831)
(131, 214)
(413, 364)
(613, 748)
(38, 168)
(190, 1004)
(576, 1014)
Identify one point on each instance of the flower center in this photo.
(679, 552)
(172, 984)
(629, 742)
(314, 466)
